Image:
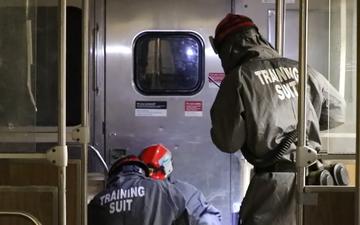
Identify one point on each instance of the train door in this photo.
(158, 60)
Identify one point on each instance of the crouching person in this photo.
(133, 198)
(198, 210)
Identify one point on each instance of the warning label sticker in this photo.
(215, 79)
(151, 108)
(193, 108)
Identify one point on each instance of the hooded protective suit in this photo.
(256, 109)
(131, 198)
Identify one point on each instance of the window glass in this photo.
(168, 63)
(332, 52)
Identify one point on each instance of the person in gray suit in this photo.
(131, 197)
(198, 210)
(255, 111)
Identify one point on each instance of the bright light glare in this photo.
(189, 52)
(118, 49)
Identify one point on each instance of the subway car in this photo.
(85, 82)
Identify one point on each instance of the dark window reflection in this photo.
(16, 107)
(168, 63)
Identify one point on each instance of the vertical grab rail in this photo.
(357, 179)
(279, 26)
(62, 148)
(85, 108)
(300, 175)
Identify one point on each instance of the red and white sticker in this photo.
(193, 108)
(215, 79)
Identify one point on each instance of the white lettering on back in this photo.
(285, 80)
(120, 200)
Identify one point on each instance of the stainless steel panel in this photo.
(196, 159)
(96, 72)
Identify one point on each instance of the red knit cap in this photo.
(230, 24)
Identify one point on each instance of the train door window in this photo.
(168, 63)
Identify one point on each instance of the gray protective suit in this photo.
(131, 198)
(255, 109)
(199, 210)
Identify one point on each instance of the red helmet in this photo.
(230, 24)
(128, 160)
(158, 159)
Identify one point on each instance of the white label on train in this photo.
(151, 108)
(193, 108)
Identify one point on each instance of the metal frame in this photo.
(300, 176)
(58, 155)
(62, 111)
(38, 137)
(357, 181)
(37, 189)
(84, 130)
(75, 134)
(280, 24)
(26, 215)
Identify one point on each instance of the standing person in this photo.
(159, 160)
(133, 198)
(255, 111)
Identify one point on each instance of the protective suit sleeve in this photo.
(177, 200)
(228, 128)
(333, 105)
(200, 212)
(95, 213)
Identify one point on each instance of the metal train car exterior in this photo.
(153, 77)
(158, 60)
